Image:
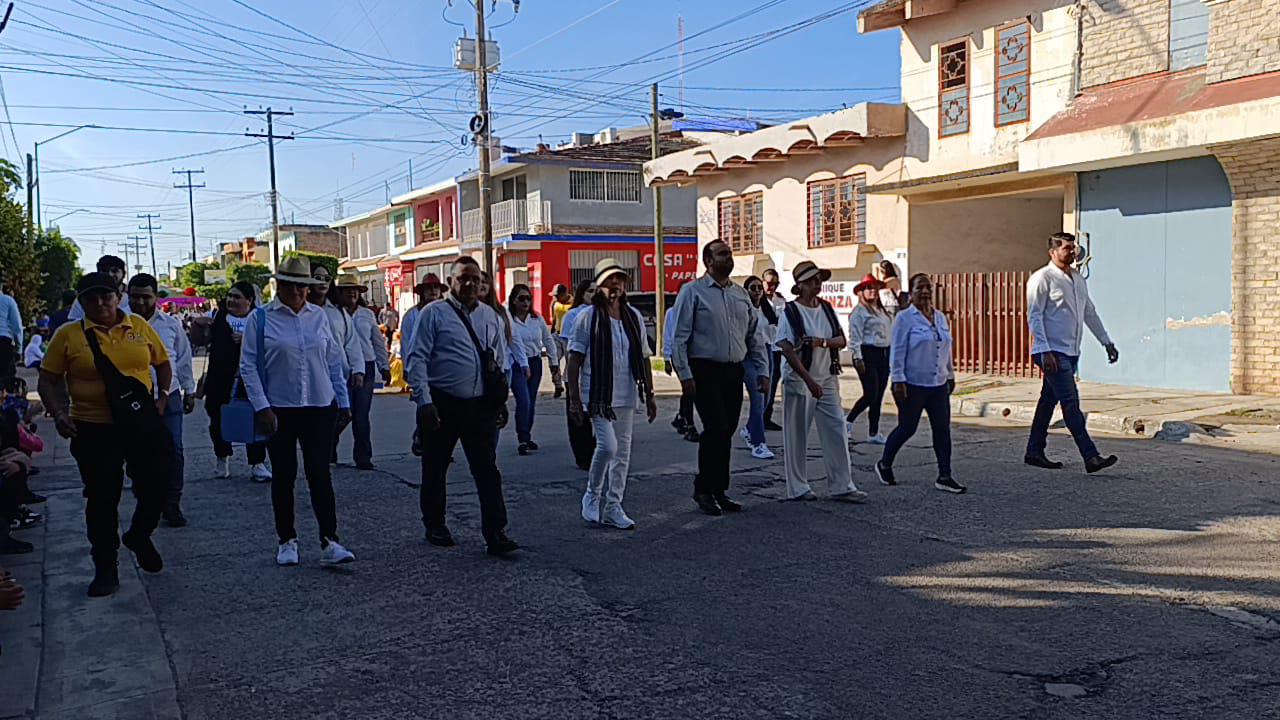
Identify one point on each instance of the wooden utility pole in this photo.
(659, 259)
(271, 157)
(151, 239)
(483, 141)
(191, 203)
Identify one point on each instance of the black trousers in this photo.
(221, 448)
(104, 453)
(472, 422)
(8, 358)
(775, 375)
(874, 381)
(582, 440)
(310, 428)
(718, 397)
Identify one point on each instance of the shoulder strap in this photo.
(831, 317)
(466, 322)
(105, 366)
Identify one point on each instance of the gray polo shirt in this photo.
(717, 323)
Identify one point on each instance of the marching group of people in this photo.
(286, 377)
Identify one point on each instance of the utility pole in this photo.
(137, 253)
(191, 203)
(659, 260)
(483, 141)
(151, 238)
(271, 157)
(31, 184)
(127, 253)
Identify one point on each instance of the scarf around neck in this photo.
(600, 399)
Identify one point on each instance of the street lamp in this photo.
(54, 221)
(37, 161)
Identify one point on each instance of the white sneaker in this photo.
(745, 434)
(877, 439)
(614, 516)
(260, 473)
(591, 507)
(762, 452)
(222, 467)
(287, 554)
(335, 554)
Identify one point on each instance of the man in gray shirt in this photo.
(715, 334)
(446, 370)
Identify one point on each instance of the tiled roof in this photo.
(636, 150)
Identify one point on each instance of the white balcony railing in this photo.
(510, 217)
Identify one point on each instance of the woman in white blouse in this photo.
(609, 372)
(869, 329)
(291, 367)
(891, 294)
(531, 333)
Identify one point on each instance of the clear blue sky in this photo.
(380, 70)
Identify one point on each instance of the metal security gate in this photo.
(988, 317)
(1159, 240)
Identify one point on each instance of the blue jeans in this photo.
(1059, 388)
(937, 402)
(775, 375)
(173, 423)
(755, 417)
(526, 392)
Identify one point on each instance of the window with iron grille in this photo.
(741, 221)
(605, 185)
(953, 88)
(838, 211)
(1013, 73)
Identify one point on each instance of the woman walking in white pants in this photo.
(609, 371)
(810, 339)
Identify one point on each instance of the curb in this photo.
(1153, 427)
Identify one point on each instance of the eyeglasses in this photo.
(524, 298)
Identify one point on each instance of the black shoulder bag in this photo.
(131, 403)
(492, 373)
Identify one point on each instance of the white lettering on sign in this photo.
(669, 260)
(840, 295)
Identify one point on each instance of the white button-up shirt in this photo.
(175, 339)
(921, 350)
(1058, 308)
(443, 356)
(533, 335)
(345, 333)
(868, 327)
(301, 361)
(373, 344)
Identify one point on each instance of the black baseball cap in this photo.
(96, 281)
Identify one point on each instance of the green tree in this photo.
(192, 274)
(329, 261)
(19, 262)
(256, 273)
(213, 292)
(59, 266)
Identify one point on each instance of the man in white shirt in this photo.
(143, 291)
(1058, 308)
(113, 266)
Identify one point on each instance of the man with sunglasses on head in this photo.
(143, 292)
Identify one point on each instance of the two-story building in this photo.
(557, 212)
(309, 238)
(797, 191)
(368, 244)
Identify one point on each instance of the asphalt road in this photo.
(1151, 591)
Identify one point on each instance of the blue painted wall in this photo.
(1160, 240)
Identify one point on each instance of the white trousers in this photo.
(612, 459)
(800, 410)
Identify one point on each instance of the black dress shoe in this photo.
(440, 537)
(523, 448)
(106, 581)
(174, 518)
(532, 445)
(707, 503)
(692, 435)
(1097, 462)
(33, 498)
(726, 504)
(500, 544)
(1041, 461)
(366, 465)
(144, 550)
(679, 424)
(771, 425)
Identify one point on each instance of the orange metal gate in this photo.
(988, 316)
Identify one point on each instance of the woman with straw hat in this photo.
(609, 371)
(869, 328)
(291, 366)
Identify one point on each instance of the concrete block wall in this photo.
(1244, 38)
(1123, 39)
(1255, 260)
